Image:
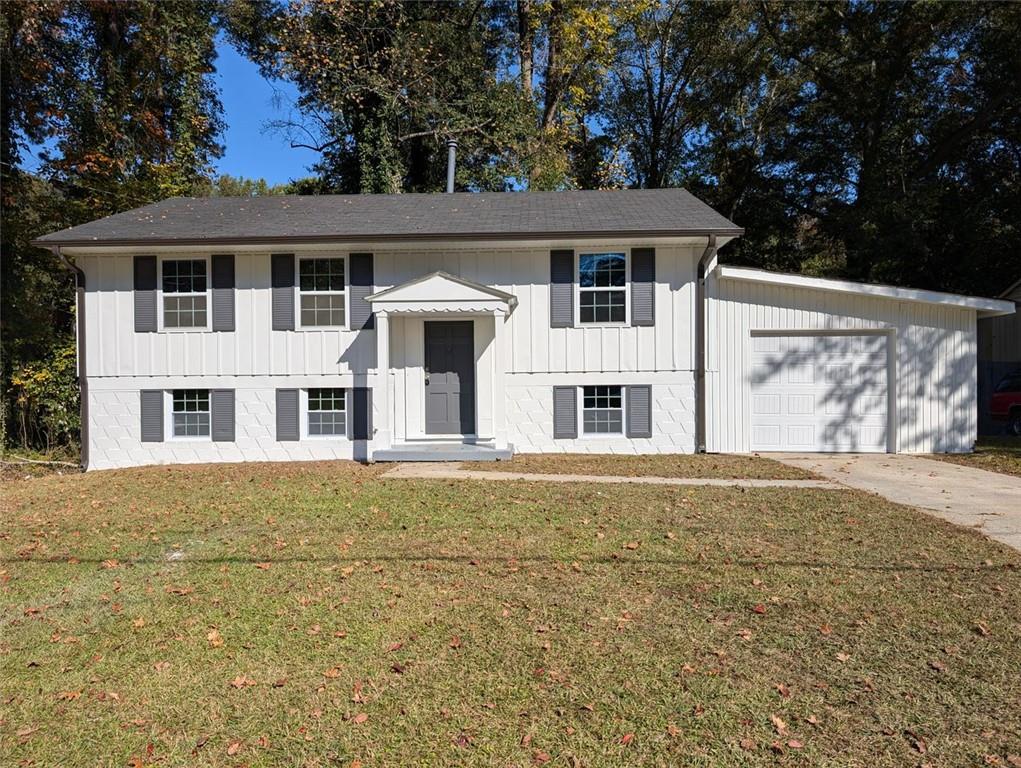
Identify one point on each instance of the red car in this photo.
(1005, 404)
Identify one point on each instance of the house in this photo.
(476, 325)
(999, 354)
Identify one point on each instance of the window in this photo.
(601, 287)
(321, 287)
(603, 410)
(184, 293)
(326, 412)
(191, 413)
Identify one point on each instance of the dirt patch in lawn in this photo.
(313, 615)
(994, 454)
(718, 466)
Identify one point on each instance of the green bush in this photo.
(43, 398)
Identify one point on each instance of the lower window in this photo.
(602, 410)
(191, 412)
(327, 414)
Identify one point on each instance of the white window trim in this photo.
(298, 292)
(582, 434)
(159, 295)
(168, 419)
(303, 418)
(578, 289)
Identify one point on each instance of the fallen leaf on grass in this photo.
(332, 672)
(982, 628)
(917, 742)
(215, 641)
(843, 656)
(939, 666)
(234, 747)
(161, 666)
(69, 695)
(627, 738)
(783, 690)
(795, 744)
(455, 642)
(631, 545)
(395, 647)
(108, 564)
(360, 718)
(263, 566)
(748, 745)
(779, 724)
(759, 608)
(539, 757)
(242, 682)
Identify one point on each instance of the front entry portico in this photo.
(441, 364)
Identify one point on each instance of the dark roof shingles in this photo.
(408, 216)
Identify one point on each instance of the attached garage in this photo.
(800, 364)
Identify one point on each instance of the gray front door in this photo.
(450, 378)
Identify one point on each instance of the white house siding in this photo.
(114, 439)
(933, 371)
(254, 360)
(530, 415)
(256, 350)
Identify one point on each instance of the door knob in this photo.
(427, 381)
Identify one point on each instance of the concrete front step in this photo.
(443, 452)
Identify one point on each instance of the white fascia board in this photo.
(984, 307)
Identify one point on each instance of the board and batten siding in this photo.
(254, 349)
(933, 349)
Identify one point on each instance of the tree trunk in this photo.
(525, 52)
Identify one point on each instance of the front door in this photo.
(449, 378)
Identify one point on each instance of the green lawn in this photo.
(997, 454)
(722, 466)
(314, 615)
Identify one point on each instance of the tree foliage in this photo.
(870, 140)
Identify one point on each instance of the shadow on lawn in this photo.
(477, 561)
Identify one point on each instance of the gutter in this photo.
(367, 238)
(79, 335)
(701, 418)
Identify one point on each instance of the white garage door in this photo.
(819, 393)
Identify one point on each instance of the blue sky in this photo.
(250, 102)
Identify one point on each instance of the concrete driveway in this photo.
(987, 501)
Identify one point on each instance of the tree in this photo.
(121, 97)
(384, 84)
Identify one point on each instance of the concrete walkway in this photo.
(975, 498)
(453, 471)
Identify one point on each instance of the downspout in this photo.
(79, 335)
(700, 345)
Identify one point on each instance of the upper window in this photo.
(184, 293)
(603, 410)
(191, 412)
(321, 287)
(602, 294)
(326, 412)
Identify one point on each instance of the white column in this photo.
(381, 393)
(499, 378)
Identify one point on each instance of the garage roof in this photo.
(407, 217)
(984, 307)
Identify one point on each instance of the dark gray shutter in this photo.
(221, 404)
(287, 414)
(145, 294)
(643, 286)
(561, 289)
(282, 281)
(223, 291)
(639, 411)
(361, 413)
(361, 277)
(152, 415)
(565, 412)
